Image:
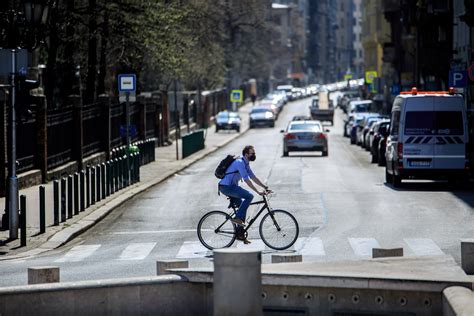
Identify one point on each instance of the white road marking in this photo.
(192, 249)
(363, 246)
(137, 251)
(311, 246)
(154, 232)
(423, 246)
(78, 253)
(256, 244)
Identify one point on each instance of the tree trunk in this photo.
(103, 55)
(92, 53)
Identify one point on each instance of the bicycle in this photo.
(278, 228)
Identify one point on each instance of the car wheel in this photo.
(272, 124)
(285, 153)
(381, 161)
(352, 142)
(325, 153)
(217, 130)
(373, 159)
(397, 181)
(237, 130)
(388, 177)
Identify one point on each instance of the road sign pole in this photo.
(127, 134)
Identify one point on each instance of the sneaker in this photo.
(237, 221)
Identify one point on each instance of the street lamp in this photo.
(19, 28)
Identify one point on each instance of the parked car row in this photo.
(367, 129)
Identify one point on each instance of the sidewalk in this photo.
(151, 174)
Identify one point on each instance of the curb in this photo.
(67, 234)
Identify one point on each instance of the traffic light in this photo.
(25, 102)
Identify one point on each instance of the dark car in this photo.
(301, 118)
(378, 143)
(227, 121)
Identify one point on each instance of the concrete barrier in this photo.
(162, 266)
(237, 282)
(458, 301)
(384, 253)
(467, 255)
(158, 295)
(282, 258)
(38, 275)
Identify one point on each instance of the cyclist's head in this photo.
(249, 153)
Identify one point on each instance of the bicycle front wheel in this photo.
(215, 230)
(279, 229)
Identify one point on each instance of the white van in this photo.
(428, 137)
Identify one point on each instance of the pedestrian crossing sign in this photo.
(237, 96)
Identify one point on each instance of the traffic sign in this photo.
(395, 90)
(458, 78)
(370, 76)
(237, 96)
(347, 77)
(470, 72)
(127, 83)
(132, 130)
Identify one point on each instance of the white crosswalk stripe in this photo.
(137, 251)
(311, 246)
(363, 246)
(423, 247)
(78, 253)
(192, 249)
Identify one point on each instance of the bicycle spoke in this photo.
(215, 230)
(279, 232)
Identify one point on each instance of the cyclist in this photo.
(229, 185)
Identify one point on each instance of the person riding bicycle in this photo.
(229, 186)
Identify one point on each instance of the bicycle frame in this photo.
(266, 206)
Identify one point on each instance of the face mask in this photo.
(252, 157)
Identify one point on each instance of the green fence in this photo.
(193, 142)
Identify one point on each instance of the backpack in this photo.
(221, 169)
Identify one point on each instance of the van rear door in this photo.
(450, 133)
(418, 142)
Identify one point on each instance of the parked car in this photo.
(428, 137)
(305, 136)
(378, 134)
(261, 116)
(363, 127)
(226, 120)
(360, 106)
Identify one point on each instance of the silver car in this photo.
(305, 136)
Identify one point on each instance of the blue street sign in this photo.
(458, 78)
(132, 130)
(127, 83)
(395, 90)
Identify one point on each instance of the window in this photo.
(449, 123)
(434, 123)
(306, 127)
(394, 123)
(419, 123)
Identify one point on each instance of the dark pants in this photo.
(238, 196)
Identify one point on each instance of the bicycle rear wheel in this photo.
(215, 230)
(279, 229)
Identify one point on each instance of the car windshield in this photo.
(260, 111)
(313, 127)
(225, 115)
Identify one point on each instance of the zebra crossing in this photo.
(311, 247)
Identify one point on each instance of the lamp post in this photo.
(20, 28)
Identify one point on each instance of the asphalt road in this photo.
(341, 202)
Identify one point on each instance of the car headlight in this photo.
(268, 115)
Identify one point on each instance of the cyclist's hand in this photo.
(262, 193)
(268, 191)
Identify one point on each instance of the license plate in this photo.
(419, 163)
